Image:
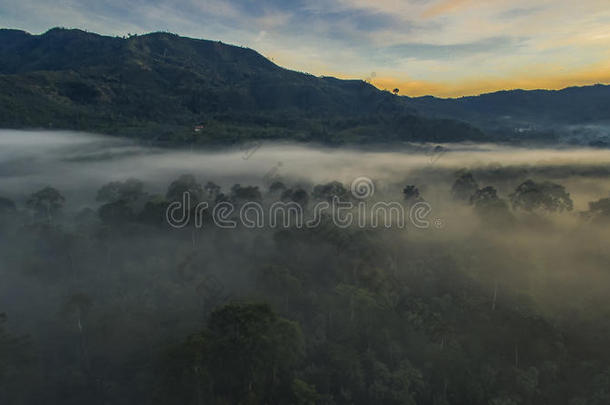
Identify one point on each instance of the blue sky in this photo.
(439, 47)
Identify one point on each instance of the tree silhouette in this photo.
(297, 195)
(46, 202)
(247, 355)
(212, 189)
(240, 194)
(491, 207)
(530, 196)
(411, 194)
(329, 190)
(276, 187)
(464, 187)
(600, 208)
(129, 190)
(184, 184)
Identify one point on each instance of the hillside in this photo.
(578, 115)
(572, 105)
(161, 86)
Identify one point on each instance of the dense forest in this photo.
(500, 299)
(186, 222)
(505, 305)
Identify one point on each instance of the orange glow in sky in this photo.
(437, 47)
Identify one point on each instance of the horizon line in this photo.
(338, 76)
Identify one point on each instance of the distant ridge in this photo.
(576, 104)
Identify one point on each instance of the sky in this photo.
(445, 48)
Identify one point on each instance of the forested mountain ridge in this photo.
(162, 86)
(574, 115)
(572, 105)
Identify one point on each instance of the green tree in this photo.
(46, 203)
(212, 189)
(297, 195)
(600, 208)
(276, 187)
(129, 190)
(240, 194)
(246, 355)
(252, 351)
(116, 213)
(464, 186)
(329, 190)
(548, 196)
(489, 206)
(411, 194)
(184, 184)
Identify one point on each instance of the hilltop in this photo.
(162, 86)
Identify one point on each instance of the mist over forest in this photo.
(346, 203)
(501, 300)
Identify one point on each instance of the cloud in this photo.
(409, 40)
(444, 7)
(538, 77)
(519, 12)
(453, 51)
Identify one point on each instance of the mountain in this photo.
(168, 88)
(164, 87)
(573, 105)
(578, 115)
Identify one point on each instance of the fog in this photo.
(148, 285)
(79, 163)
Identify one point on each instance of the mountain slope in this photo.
(161, 86)
(577, 115)
(572, 105)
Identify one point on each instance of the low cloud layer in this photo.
(78, 164)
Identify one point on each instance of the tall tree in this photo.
(129, 190)
(548, 196)
(464, 186)
(46, 203)
(247, 355)
(185, 184)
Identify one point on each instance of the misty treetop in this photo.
(471, 267)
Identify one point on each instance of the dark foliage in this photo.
(292, 316)
(546, 195)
